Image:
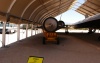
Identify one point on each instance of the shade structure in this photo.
(32, 11)
(90, 7)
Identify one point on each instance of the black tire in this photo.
(44, 40)
(57, 41)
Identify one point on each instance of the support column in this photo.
(3, 34)
(26, 30)
(31, 29)
(86, 16)
(41, 31)
(38, 31)
(18, 32)
(66, 29)
(35, 29)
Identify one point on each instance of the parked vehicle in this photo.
(10, 28)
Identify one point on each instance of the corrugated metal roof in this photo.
(90, 7)
(32, 11)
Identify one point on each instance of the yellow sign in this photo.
(33, 59)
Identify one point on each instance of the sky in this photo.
(71, 16)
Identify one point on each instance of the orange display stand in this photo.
(50, 36)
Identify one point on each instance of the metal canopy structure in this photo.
(90, 8)
(32, 11)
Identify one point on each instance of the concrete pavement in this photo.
(71, 50)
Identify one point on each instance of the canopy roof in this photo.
(90, 7)
(32, 11)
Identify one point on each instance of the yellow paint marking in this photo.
(35, 59)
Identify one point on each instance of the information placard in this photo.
(34, 59)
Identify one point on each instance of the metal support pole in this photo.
(26, 30)
(90, 29)
(66, 29)
(18, 32)
(38, 30)
(41, 31)
(86, 16)
(3, 34)
(35, 29)
(31, 29)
